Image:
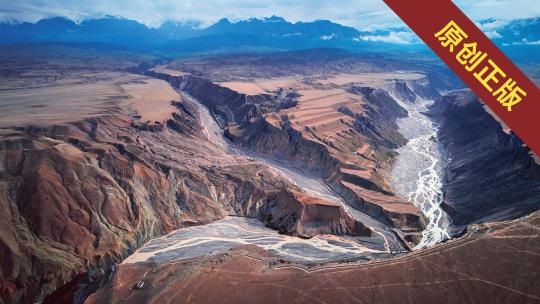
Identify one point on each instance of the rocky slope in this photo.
(228, 106)
(490, 174)
(306, 216)
(375, 125)
(78, 197)
(82, 194)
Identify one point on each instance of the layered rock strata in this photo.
(80, 197)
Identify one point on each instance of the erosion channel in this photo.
(225, 234)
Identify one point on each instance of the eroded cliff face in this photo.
(365, 194)
(228, 106)
(497, 162)
(490, 174)
(80, 197)
(378, 122)
(410, 90)
(424, 88)
(307, 216)
(271, 132)
(402, 91)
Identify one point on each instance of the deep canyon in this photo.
(315, 175)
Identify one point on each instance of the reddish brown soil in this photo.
(496, 264)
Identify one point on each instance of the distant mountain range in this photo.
(520, 39)
(271, 32)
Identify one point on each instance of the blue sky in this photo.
(362, 14)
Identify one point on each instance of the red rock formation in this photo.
(370, 195)
(229, 106)
(306, 216)
(82, 196)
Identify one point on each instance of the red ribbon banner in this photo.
(478, 62)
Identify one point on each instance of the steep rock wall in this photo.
(490, 175)
(307, 216)
(79, 198)
(377, 124)
(230, 107)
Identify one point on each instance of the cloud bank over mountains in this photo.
(361, 14)
(519, 38)
(271, 31)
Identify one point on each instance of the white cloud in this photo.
(392, 37)
(328, 37)
(492, 25)
(292, 35)
(361, 14)
(493, 34)
(526, 42)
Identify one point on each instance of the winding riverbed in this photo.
(416, 176)
(231, 232)
(308, 183)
